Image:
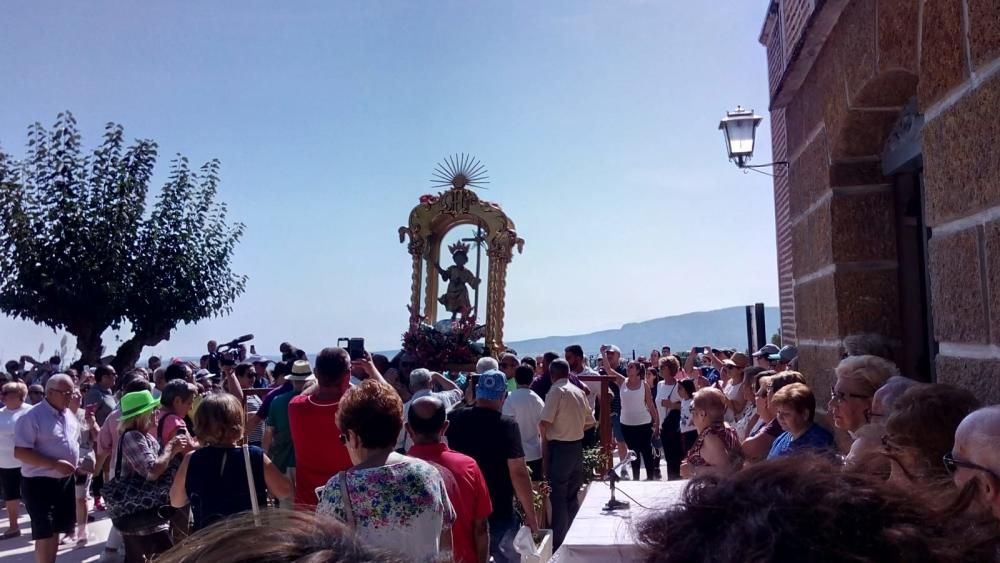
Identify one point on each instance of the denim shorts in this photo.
(616, 428)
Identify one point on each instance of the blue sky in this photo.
(596, 119)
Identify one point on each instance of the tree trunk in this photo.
(130, 350)
(127, 355)
(88, 342)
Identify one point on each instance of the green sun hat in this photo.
(137, 403)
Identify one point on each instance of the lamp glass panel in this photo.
(740, 133)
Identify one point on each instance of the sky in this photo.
(597, 121)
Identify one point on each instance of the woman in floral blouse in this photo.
(391, 500)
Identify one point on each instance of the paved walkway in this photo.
(18, 550)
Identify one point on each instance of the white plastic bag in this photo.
(524, 543)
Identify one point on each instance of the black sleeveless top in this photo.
(217, 484)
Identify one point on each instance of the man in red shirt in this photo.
(312, 419)
(426, 425)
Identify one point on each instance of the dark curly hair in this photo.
(806, 509)
(373, 411)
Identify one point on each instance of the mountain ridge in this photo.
(720, 327)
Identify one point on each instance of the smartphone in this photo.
(181, 431)
(355, 347)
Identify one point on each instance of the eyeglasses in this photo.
(68, 393)
(951, 465)
(841, 397)
(343, 438)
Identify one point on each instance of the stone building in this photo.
(888, 217)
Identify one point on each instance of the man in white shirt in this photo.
(525, 406)
(421, 385)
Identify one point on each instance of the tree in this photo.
(78, 252)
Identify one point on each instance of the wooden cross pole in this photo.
(478, 240)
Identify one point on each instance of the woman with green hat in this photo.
(140, 454)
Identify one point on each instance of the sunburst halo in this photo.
(460, 171)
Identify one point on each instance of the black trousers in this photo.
(687, 440)
(139, 549)
(565, 478)
(673, 448)
(639, 439)
(97, 483)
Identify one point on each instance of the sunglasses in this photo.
(951, 465)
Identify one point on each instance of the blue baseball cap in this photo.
(492, 385)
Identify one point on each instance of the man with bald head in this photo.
(426, 424)
(866, 449)
(976, 456)
(47, 443)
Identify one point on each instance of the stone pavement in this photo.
(21, 550)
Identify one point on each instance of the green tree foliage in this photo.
(79, 252)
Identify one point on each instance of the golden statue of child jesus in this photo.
(459, 278)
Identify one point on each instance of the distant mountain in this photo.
(720, 328)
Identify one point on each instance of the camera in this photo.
(230, 352)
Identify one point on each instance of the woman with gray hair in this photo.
(858, 378)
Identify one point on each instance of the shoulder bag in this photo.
(135, 503)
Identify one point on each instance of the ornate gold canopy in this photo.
(430, 221)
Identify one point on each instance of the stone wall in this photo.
(837, 209)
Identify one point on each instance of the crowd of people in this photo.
(386, 460)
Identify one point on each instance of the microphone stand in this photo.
(614, 504)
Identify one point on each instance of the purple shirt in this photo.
(53, 434)
(265, 405)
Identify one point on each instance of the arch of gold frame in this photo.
(429, 222)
